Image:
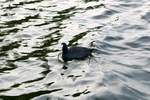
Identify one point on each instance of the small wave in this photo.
(28, 96)
(140, 42)
(110, 38)
(106, 14)
(146, 17)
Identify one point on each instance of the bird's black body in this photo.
(78, 53)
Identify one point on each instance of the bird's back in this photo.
(78, 53)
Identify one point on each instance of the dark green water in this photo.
(31, 33)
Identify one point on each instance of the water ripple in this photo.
(29, 95)
(31, 33)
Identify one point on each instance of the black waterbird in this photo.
(77, 53)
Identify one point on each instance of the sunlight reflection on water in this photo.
(31, 33)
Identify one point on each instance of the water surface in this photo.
(31, 33)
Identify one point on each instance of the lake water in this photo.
(31, 33)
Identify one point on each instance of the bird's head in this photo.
(64, 44)
(64, 48)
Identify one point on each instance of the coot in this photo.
(78, 53)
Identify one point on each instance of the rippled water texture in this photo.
(31, 33)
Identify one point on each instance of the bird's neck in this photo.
(65, 49)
